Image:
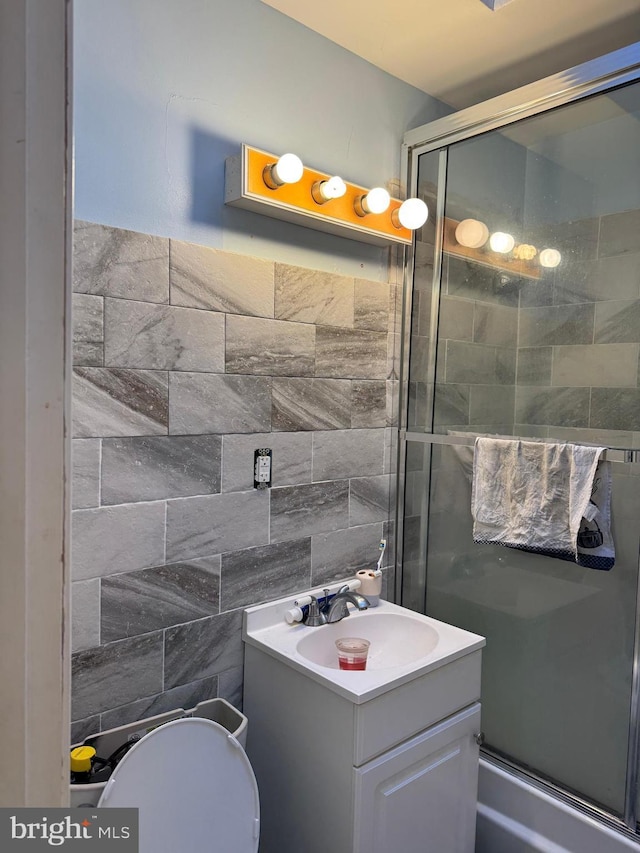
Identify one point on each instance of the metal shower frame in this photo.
(597, 76)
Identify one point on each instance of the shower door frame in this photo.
(596, 76)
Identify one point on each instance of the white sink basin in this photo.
(404, 645)
(396, 640)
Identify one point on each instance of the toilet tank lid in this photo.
(194, 788)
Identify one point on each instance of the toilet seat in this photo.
(194, 787)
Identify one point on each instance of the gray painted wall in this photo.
(165, 91)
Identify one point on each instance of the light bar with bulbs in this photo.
(282, 187)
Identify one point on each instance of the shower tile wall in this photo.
(579, 339)
(187, 359)
(476, 358)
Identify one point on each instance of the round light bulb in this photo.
(376, 200)
(323, 191)
(501, 242)
(549, 258)
(472, 233)
(411, 214)
(288, 169)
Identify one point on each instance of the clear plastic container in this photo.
(352, 653)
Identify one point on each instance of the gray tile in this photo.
(619, 233)
(140, 602)
(477, 364)
(85, 466)
(451, 404)
(184, 697)
(314, 296)
(199, 527)
(491, 404)
(371, 308)
(368, 404)
(298, 511)
(306, 404)
(291, 459)
(115, 674)
(162, 337)
(534, 365)
(113, 262)
(556, 325)
(223, 281)
(259, 574)
(347, 453)
(455, 320)
(395, 308)
(82, 729)
(204, 648)
(615, 408)
(394, 342)
(88, 329)
(506, 365)
(596, 365)
(230, 684)
(559, 406)
(617, 277)
(119, 402)
(471, 280)
(269, 347)
(339, 555)
(85, 614)
(209, 403)
(368, 500)
(393, 403)
(116, 539)
(156, 467)
(618, 322)
(607, 437)
(576, 239)
(351, 353)
(495, 324)
(535, 292)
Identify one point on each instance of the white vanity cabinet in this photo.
(396, 773)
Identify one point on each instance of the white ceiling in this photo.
(463, 52)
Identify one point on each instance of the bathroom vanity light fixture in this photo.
(284, 188)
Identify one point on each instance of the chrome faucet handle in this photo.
(315, 617)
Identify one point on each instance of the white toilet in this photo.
(194, 787)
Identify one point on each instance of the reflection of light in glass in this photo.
(335, 187)
(288, 170)
(550, 258)
(472, 233)
(411, 214)
(501, 242)
(525, 252)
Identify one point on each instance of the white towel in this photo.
(552, 499)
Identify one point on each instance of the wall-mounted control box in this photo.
(262, 468)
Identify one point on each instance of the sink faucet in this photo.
(337, 608)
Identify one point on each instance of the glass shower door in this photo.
(549, 351)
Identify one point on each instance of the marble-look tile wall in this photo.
(477, 346)
(187, 359)
(578, 373)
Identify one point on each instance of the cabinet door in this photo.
(421, 796)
